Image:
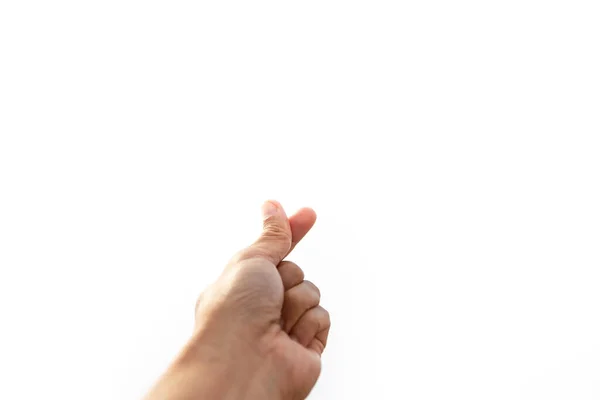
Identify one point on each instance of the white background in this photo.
(451, 150)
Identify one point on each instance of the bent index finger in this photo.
(300, 223)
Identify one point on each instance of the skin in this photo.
(259, 331)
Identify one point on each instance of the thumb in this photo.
(275, 240)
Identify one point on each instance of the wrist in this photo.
(206, 370)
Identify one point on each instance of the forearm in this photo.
(201, 372)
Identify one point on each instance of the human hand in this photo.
(260, 330)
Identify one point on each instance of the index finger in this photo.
(300, 223)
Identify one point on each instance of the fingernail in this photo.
(269, 208)
(294, 338)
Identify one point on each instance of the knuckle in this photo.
(293, 270)
(299, 274)
(272, 227)
(288, 265)
(326, 318)
(313, 289)
(278, 235)
(314, 323)
(277, 232)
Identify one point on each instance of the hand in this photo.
(260, 331)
